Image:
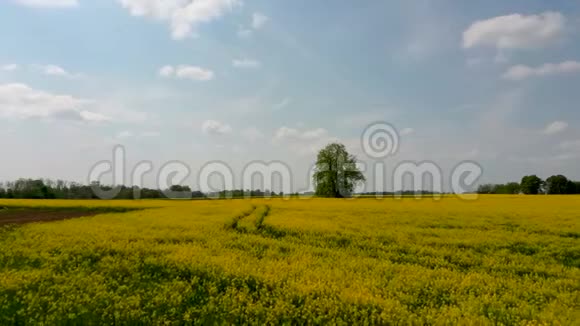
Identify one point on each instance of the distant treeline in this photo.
(241, 193)
(533, 185)
(401, 192)
(59, 189)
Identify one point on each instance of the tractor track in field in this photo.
(234, 224)
(260, 219)
(259, 214)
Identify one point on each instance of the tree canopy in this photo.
(558, 185)
(531, 185)
(510, 188)
(336, 173)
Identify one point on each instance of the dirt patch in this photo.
(33, 215)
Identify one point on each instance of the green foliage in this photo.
(510, 188)
(247, 193)
(557, 185)
(574, 187)
(49, 189)
(531, 185)
(336, 172)
(554, 185)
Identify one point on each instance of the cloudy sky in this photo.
(495, 82)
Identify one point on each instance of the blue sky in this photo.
(495, 82)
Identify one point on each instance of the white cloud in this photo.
(183, 16)
(252, 134)
(515, 31)
(187, 72)
(166, 71)
(570, 145)
(124, 134)
(214, 127)
(128, 134)
(123, 113)
(50, 70)
(407, 131)
(93, 117)
(22, 101)
(286, 133)
(259, 20)
(150, 134)
(314, 134)
(302, 142)
(246, 63)
(194, 73)
(283, 104)
(10, 67)
(48, 3)
(520, 72)
(244, 32)
(54, 70)
(555, 127)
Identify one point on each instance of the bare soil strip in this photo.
(10, 215)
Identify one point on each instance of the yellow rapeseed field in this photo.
(496, 260)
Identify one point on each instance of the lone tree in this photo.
(336, 174)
